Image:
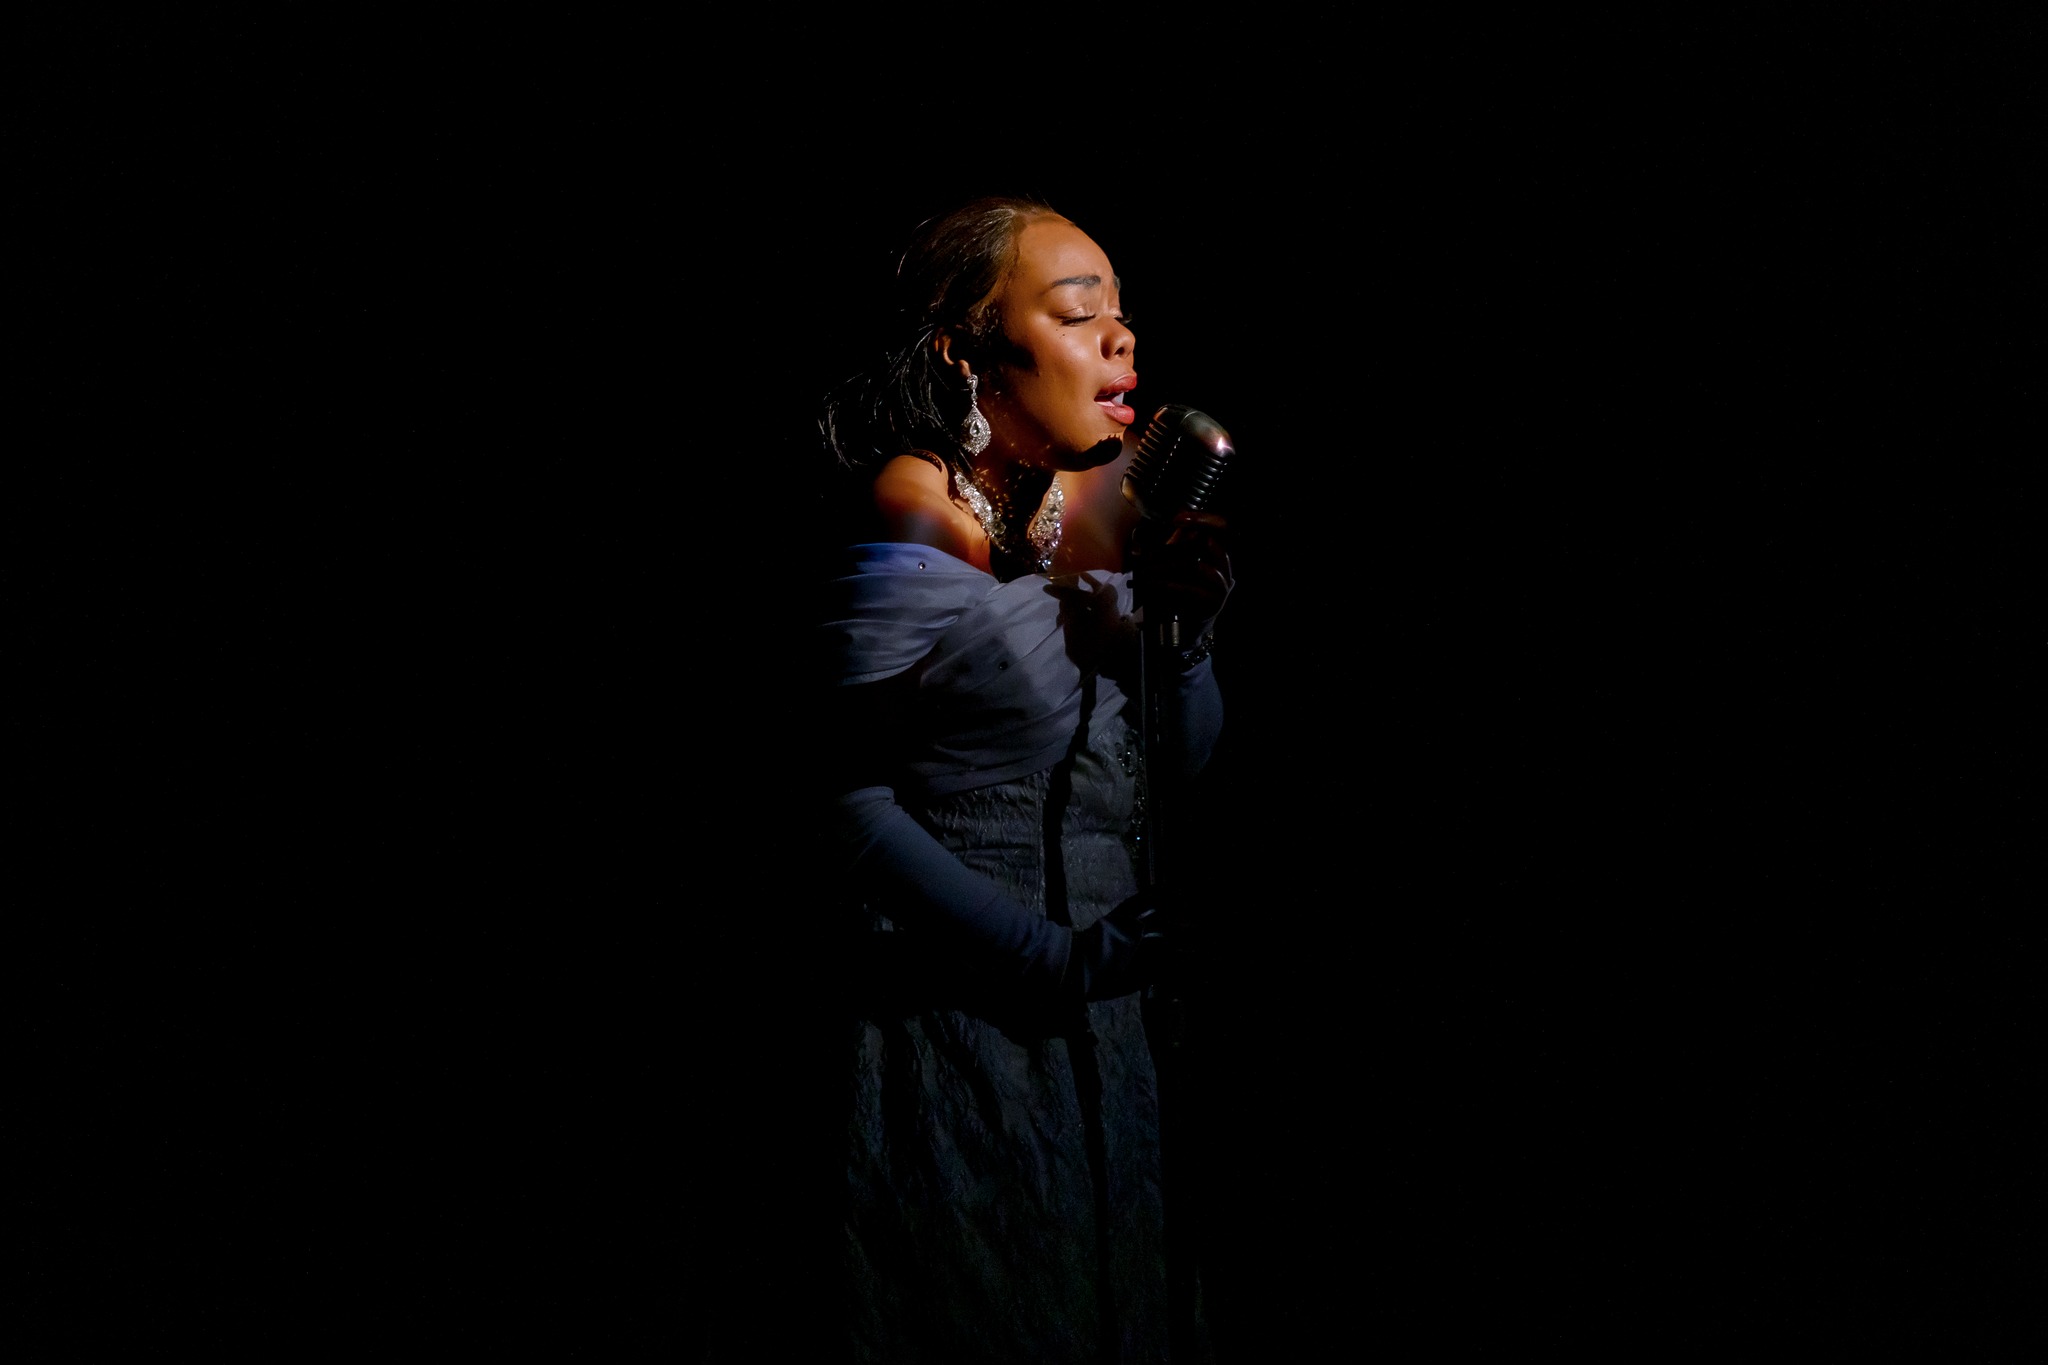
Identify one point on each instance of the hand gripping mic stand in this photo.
(1178, 461)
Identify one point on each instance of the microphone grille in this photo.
(1178, 462)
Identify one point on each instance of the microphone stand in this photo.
(1179, 459)
(1164, 1003)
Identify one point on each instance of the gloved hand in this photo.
(1182, 568)
(1122, 952)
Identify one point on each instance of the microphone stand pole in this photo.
(1164, 1004)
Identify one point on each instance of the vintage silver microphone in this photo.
(1180, 459)
(1176, 468)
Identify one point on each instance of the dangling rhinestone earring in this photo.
(974, 436)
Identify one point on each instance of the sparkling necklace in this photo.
(1043, 533)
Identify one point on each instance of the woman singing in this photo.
(986, 805)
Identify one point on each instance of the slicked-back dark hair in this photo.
(946, 280)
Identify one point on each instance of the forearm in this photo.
(895, 862)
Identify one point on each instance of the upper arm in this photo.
(911, 498)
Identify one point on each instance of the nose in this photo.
(1118, 342)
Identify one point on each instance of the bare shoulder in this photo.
(909, 479)
(915, 507)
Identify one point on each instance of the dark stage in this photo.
(1616, 861)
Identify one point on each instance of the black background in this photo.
(1619, 832)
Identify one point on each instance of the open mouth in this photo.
(1111, 400)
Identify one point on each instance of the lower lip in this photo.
(1118, 412)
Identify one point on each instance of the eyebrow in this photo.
(1088, 281)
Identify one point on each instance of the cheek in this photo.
(1063, 373)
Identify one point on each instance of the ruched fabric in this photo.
(1003, 667)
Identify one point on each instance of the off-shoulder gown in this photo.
(1003, 1152)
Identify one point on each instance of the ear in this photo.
(943, 344)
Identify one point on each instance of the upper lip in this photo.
(1123, 385)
